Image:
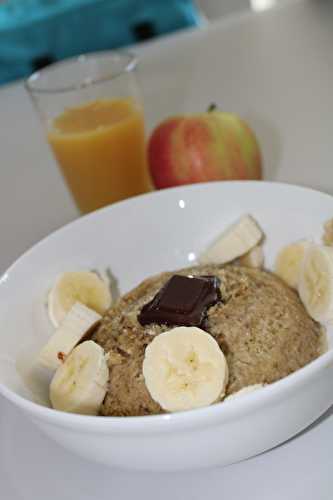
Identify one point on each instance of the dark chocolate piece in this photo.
(183, 300)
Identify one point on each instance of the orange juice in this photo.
(100, 148)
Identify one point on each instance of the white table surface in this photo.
(276, 70)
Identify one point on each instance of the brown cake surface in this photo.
(261, 326)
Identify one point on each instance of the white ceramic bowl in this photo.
(137, 238)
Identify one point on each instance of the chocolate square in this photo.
(183, 300)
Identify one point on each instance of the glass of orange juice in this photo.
(92, 110)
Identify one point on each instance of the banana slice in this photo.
(254, 258)
(185, 368)
(328, 233)
(316, 283)
(75, 325)
(245, 390)
(80, 286)
(237, 240)
(289, 260)
(79, 385)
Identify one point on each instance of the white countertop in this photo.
(273, 68)
(276, 70)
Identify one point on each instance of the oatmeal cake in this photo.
(260, 324)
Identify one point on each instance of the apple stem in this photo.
(212, 107)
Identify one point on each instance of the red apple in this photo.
(203, 147)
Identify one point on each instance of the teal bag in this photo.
(34, 33)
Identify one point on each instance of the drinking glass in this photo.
(92, 111)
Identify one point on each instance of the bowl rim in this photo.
(184, 420)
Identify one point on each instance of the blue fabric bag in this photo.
(34, 33)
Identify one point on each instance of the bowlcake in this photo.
(261, 326)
